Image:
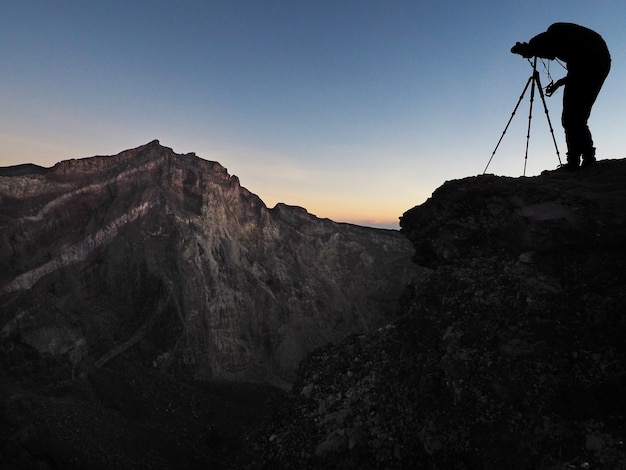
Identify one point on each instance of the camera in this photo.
(522, 49)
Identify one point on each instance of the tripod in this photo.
(536, 83)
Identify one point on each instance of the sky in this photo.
(356, 110)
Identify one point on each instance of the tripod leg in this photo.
(530, 115)
(508, 123)
(545, 108)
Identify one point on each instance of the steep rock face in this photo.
(510, 353)
(165, 258)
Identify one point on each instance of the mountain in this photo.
(167, 258)
(510, 353)
(134, 285)
(141, 291)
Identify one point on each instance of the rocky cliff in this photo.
(138, 292)
(167, 258)
(510, 353)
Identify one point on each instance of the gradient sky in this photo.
(356, 110)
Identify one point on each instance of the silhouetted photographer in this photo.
(588, 64)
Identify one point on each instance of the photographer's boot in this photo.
(572, 162)
(589, 158)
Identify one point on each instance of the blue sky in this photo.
(356, 110)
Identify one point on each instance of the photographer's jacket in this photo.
(581, 48)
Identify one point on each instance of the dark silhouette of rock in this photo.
(510, 353)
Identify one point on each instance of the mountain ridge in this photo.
(201, 243)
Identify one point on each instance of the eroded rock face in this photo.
(510, 353)
(167, 259)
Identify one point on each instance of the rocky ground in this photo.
(124, 416)
(471, 388)
(509, 354)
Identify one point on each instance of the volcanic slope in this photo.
(147, 297)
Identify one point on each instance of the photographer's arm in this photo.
(552, 87)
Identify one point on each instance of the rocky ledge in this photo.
(510, 353)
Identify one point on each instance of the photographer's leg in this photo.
(577, 102)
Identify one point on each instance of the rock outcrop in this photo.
(510, 353)
(168, 259)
